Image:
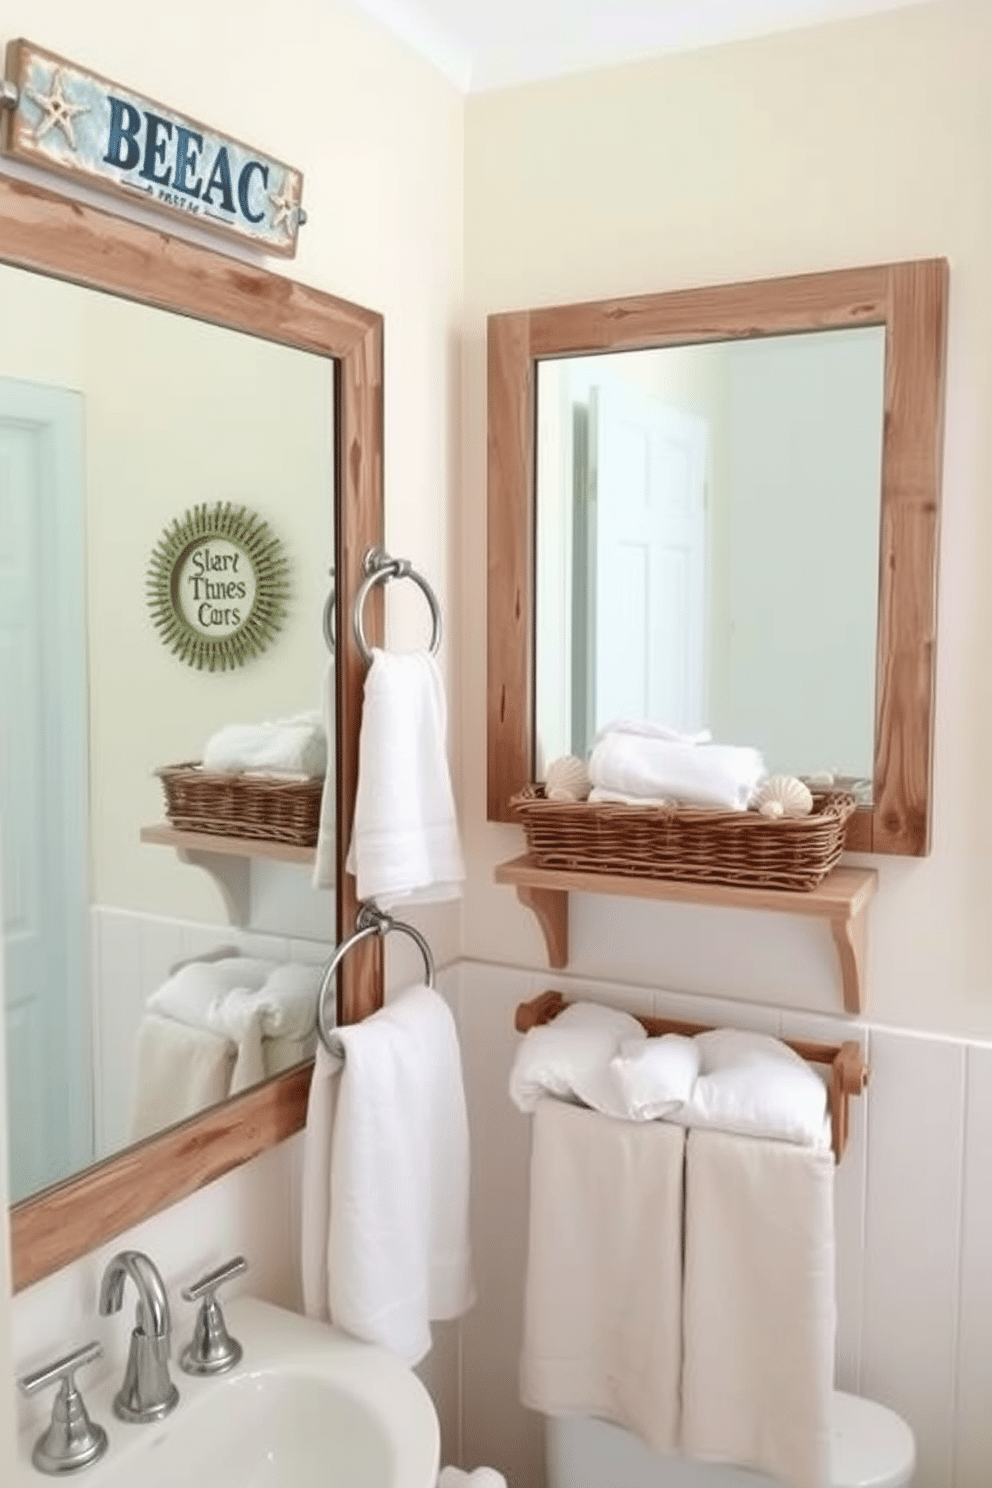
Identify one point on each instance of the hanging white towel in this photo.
(405, 845)
(325, 858)
(759, 1306)
(179, 1070)
(602, 1307)
(386, 1177)
(723, 775)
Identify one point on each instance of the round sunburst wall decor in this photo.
(218, 586)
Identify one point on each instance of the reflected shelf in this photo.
(226, 859)
(842, 899)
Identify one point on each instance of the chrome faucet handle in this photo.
(72, 1440)
(211, 1350)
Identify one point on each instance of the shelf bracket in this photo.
(230, 874)
(849, 933)
(550, 909)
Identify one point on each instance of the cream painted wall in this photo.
(379, 136)
(854, 143)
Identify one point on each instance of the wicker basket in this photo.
(260, 807)
(741, 848)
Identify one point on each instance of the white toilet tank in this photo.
(872, 1448)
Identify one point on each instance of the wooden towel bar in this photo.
(848, 1071)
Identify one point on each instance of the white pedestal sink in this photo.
(307, 1407)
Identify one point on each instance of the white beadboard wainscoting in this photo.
(914, 1224)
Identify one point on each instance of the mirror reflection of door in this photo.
(43, 781)
(645, 647)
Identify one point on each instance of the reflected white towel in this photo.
(325, 857)
(386, 1177)
(294, 746)
(179, 1070)
(656, 1076)
(646, 728)
(405, 845)
(570, 1058)
(756, 1085)
(602, 1305)
(694, 774)
(481, 1477)
(759, 1306)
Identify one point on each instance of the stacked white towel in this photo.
(405, 845)
(638, 766)
(294, 746)
(724, 1079)
(386, 1177)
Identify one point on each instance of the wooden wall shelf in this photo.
(226, 859)
(842, 899)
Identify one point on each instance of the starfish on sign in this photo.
(285, 204)
(57, 110)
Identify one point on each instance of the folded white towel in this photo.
(295, 746)
(759, 1306)
(178, 1071)
(405, 845)
(481, 1477)
(694, 774)
(646, 728)
(570, 1058)
(602, 1306)
(756, 1085)
(245, 1001)
(656, 1075)
(620, 798)
(386, 1177)
(326, 856)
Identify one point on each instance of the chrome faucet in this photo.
(147, 1393)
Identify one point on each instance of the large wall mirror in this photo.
(718, 509)
(141, 376)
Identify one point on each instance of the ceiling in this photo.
(485, 44)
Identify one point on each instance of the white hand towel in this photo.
(325, 858)
(656, 1076)
(386, 1174)
(178, 1071)
(191, 992)
(756, 1085)
(570, 1058)
(294, 746)
(602, 1304)
(405, 845)
(694, 774)
(759, 1306)
(619, 798)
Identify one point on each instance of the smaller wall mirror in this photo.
(718, 509)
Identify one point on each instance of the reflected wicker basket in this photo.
(260, 807)
(739, 848)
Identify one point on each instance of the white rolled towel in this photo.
(284, 746)
(570, 1058)
(755, 1085)
(656, 1076)
(722, 775)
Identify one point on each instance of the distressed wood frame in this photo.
(68, 240)
(910, 301)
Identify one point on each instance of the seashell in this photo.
(782, 795)
(567, 779)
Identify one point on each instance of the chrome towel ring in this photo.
(369, 921)
(379, 567)
(330, 638)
